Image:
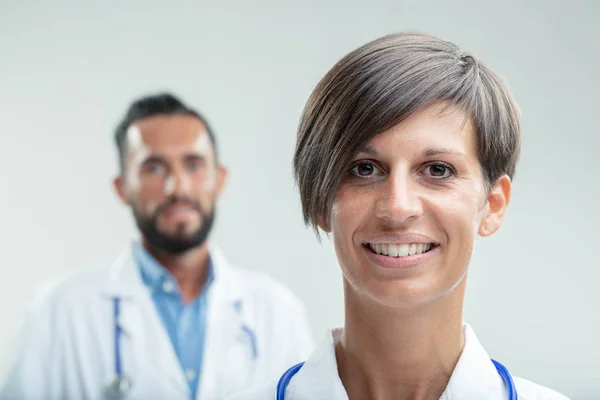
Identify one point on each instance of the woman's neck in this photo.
(390, 353)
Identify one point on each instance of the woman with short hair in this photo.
(405, 154)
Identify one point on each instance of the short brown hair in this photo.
(379, 85)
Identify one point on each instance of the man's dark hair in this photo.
(150, 106)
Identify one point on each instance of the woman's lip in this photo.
(399, 262)
(400, 238)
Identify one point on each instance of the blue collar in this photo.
(154, 275)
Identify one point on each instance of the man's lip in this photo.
(179, 208)
(180, 205)
(399, 238)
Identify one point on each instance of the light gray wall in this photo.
(69, 70)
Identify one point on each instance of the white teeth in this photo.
(413, 249)
(403, 250)
(400, 250)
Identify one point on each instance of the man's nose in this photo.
(177, 183)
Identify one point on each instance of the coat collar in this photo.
(125, 282)
(141, 323)
(473, 378)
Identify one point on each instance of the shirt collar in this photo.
(154, 275)
(318, 378)
(473, 378)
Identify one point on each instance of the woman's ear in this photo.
(497, 205)
(324, 227)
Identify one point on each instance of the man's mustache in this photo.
(179, 200)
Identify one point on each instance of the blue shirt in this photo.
(185, 324)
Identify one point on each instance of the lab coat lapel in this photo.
(226, 354)
(143, 330)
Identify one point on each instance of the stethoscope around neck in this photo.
(120, 384)
(502, 371)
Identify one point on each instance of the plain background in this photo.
(69, 70)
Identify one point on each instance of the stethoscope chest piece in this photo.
(118, 387)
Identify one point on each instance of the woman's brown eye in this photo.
(364, 169)
(439, 171)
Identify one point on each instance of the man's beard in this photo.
(178, 242)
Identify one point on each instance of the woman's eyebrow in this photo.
(431, 152)
(438, 151)
(369, 150)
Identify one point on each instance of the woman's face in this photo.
(406, 215)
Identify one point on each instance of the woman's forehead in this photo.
(437, 128)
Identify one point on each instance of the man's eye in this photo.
(154, 168)
(193, 165)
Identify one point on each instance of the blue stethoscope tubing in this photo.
(120, 383)
(118, 332)
(502, 371)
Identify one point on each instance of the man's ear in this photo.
(222, 174)
(119, 185)
(497, 205)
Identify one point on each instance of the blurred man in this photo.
(171, 319)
